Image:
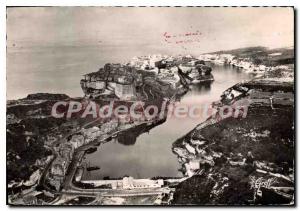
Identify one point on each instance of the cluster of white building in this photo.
(245, 63)
(193, 156)
(161, 65)
(123, 80)
(127, 183)
(217, 58)
(148, 62)
(166, 67)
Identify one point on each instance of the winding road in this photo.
(70, 189)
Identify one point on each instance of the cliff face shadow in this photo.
(201, 88)
(129, 137)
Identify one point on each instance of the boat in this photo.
(92, 168)
(91, 150)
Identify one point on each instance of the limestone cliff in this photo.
(243, 160)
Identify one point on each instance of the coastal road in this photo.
(55, 154)
(79, 153)
(68, 186)
(117, 192)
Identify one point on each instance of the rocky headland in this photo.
(250, 152)
(246, 158)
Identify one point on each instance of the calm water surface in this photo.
(59, 69)
(150, 154)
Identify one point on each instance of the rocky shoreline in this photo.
(249, 152)
(243, 160)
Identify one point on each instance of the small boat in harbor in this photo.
(92, 168)
(91, 150)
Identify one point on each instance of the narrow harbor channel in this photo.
(148, 154)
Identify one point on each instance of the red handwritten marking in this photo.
(172, 38)
(166, 35)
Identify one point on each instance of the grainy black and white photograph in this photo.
(167, 106)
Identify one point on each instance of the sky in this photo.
(220, 28)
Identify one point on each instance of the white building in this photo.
(77, 141)
(125, 91)
(96, 85)
(262, 67)
(192, 167)
(207, 57)
(190, 149)
(130, 183)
